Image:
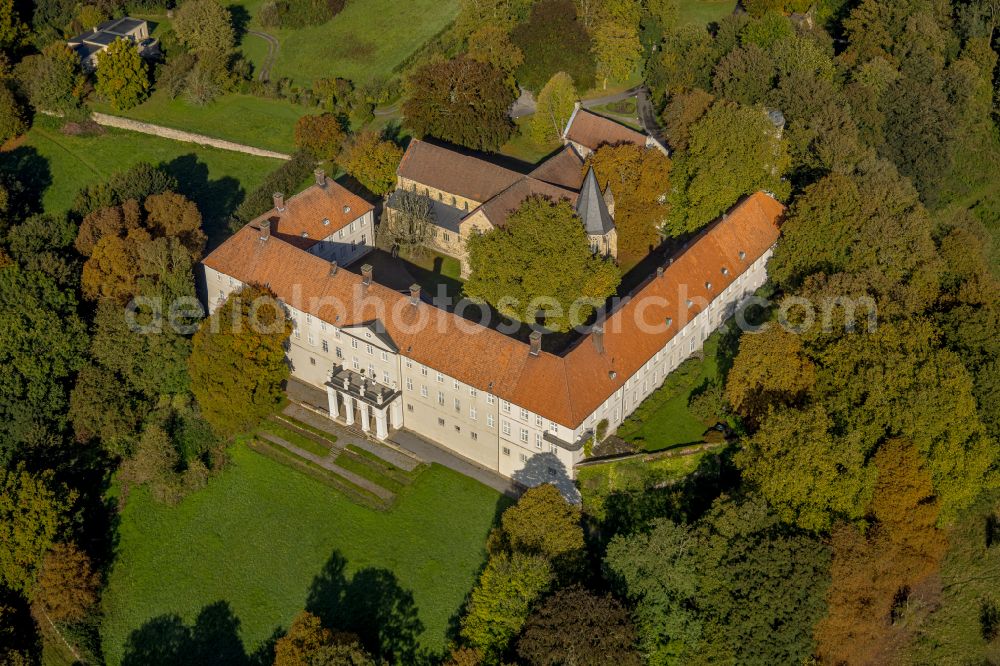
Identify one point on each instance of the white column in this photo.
(365, 425)
(348, 409)
(380, 430)
(331, 400)
(396, 414)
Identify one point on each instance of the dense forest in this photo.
(855, 521)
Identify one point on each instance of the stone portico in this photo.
(354, 398)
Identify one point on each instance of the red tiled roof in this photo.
(565, 389)
(591, 130)
(306, 211)
(453, 172)
(564, 169)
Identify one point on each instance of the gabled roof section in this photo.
(591, 207)
(591, 130)
(499, 208)
(315, 213)
(453, 172)
(377, 330)
(565, 389)
(562, 169)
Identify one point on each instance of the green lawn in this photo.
(363, 42)
(217, 180)
(704, 11)
(663, 420)
(233, 563)
(522, 147)
(255, 121)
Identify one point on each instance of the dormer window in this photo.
(669, 321)
(725, 271)
(347, 209)
(305, 235)
(743, 255)
(688, 303)
(326, 221)
(708, 285)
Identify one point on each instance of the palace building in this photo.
(389, 360)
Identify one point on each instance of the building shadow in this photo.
(372, 605)
(543, 468)
(216, 199)
(213, 640)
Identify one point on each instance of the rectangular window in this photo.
(455, 384)
(309, 320)
(472, 413)
(472, 392)
(312, 361)
(505, 427)
(354, 344)
(339, 352)
(440, 421)
(458, 405)
(538, 420)
(371, 371)
(458, 428)
(490, 398)
(505, 406)
(385, 356)
(524, 435)
(385, 377)
(423, 391)
(336, 333)
(506, 450)
(423, 371)
(409, 363)
(440, 398)
(357, 366)
(298, 333)
(409, 407)
(326, 346)
(473, 434)
(524, 414)
(523, 457)
(489, 420)
(440, 378)
(409, 384)
(369, 349)
(553, 448)
(538, 441)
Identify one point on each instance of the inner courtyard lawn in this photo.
(262, 541)
(216, 180)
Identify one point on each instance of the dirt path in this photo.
(180, 135)
(272, 52)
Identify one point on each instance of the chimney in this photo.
(320, 177)
(366, 274)
(414, 294)
(333, 268)
(535, 340)
(279, 202)
(659, 271)
(597, 333)
(265, 229)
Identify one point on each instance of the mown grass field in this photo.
(251, 545)
(216, 180)
(254, 121)
(703, 12)
(363, 42)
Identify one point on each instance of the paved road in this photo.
(272, 53)
(429, 452)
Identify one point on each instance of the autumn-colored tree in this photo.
(682, 111)
(32, 508)
(502, 600)
(172, 215)
(462, 100)
(771, 369)
(204, 25)
(873, 572)
(308, 643)
(52, 79)
(103, 222)
(67, 584)
(373, 160)
(12, 30)
(540, 264)
(553, 109)
(544, 523)
(13, 119)
(576, 626)
(122, 75)
(617, 50)
(639, 179)
(491, 43)
(237, 362)
(321, 135)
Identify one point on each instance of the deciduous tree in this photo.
(544, 523)
(204, 25)
(32, 512)
(540, 264)
(321, 135)
(617, 50)
(553, 109)
(576, 626)
(771, 370)
(554, 40)
(122, 75)
(461, 100)
(491, 43)
(237, 364)
(67, 585)
(408, 224)
(52, 80)
(373, 160)
(13, 119)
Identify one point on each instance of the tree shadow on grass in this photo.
(216, 199)
(25, 174)
(372, 605)
(213, 640)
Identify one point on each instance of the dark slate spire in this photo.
(591, 208)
